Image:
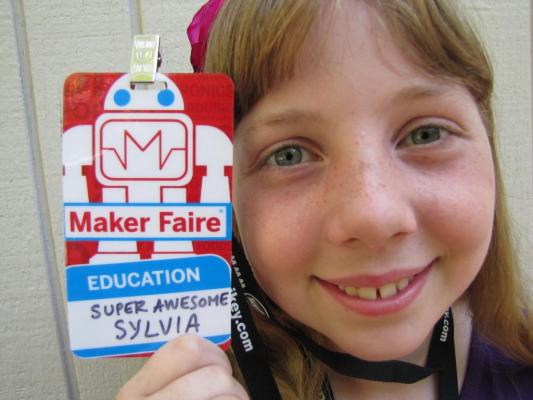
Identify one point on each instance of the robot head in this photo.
(149, 139)
(122, 97)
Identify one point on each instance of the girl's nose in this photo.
(370, 203)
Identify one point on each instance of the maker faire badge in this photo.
(146, 191)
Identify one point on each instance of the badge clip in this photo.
(145, 58)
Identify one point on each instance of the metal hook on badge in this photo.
(145, 59)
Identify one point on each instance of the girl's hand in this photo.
(189, 368)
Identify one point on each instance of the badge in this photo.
(147, 213)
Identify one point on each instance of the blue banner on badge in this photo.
(135, 307)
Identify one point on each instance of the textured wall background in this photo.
(42, 42)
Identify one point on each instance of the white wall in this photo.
(58, 37)
(506, 27)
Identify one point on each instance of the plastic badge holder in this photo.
(146, 189)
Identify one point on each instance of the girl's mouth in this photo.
(373, 293)
(382, 297)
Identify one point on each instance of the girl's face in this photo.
(364, 191)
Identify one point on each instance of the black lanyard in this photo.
(245, 340)
(441, 360)
(250, 352)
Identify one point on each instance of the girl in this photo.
(368, 200)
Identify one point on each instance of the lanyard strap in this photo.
(250, 352)
(245, 341)
(392, 371)
(441, 359)
(442, 350)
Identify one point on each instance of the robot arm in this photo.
(215, 151)
(77, 152)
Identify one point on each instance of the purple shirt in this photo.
(492, 375)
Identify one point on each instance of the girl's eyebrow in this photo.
(420, 91)
(291, 116)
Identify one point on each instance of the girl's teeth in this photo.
(368, 293)
(371, 293)
(387, 291)
(351, 291)
(403, 283)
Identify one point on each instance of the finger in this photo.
(178, 357)
(209, 382)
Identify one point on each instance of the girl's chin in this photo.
(387, 356)
(413, 351)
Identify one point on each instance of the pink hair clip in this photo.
(198, 32)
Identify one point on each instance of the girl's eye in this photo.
(424, 135)
(288, 156)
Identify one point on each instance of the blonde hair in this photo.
(256, 43)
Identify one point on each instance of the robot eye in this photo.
(122, 97)
(165, 97)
